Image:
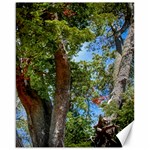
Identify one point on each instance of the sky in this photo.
(85, 54)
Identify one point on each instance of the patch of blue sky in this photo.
(95, 112)
(124, 34)
(21, 114)
(25, 137)
(83, 54)
(87, 50)
(108, 62)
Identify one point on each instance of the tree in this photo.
(120, 109)
(40, 41)
(117, 18)
(62, 94)
(126, 59)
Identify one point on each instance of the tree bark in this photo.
(62, 96)
(124, 56)
(118, 58)
(38, 111)
(118, 39)
(125, 65)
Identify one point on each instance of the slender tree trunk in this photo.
(118, 39)
(62, 96)
(124, 55)
(38, 112)
(125, 65)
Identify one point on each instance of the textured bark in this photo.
(118, 57)
(62, 95)
(18, 141)
(124, 56)
(125, 65)
(38, 111)
(119, 41)
(105, 134)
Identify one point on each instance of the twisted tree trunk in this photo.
(62, 95)
(47, 129)
(38, 111)
(44, 130)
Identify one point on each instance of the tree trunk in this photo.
(46, 129)
(124, 55)
(118, 57)
(125, 65)
(119, 41)
(62, 96)
(38, 111)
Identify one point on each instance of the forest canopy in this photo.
(62, 102)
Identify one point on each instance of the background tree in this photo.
(111, 21)
(121, 109)
(41, 55)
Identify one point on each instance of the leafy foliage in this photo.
(78, 131)
(125, 115)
